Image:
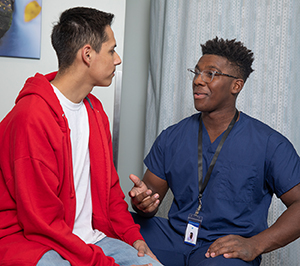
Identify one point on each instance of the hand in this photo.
(143, 249)
(141, 196)
(233, 246)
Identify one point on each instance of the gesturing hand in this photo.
(233, 246)
(141, 196)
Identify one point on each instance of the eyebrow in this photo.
(210, 66)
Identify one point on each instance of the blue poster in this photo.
(20, 28)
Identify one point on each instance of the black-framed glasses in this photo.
(206, 75)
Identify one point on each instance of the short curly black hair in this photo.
(235, 52)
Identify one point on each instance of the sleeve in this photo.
(155, 160)
(45, 206)
(120, 218)
(41, 215)
(283, 164)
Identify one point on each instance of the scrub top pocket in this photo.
(236, 183)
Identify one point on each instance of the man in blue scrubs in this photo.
(223, 168)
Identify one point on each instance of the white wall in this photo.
(135, 75)
(14, 71)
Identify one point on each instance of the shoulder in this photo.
(258, 127)
(183, 126)
(262, 133)
(179, 134)
(31, 111)
(35, 113)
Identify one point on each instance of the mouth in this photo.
(200, 95)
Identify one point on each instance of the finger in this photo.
(141, 252)
(147, 208)
(242, 252)
(221, 251)
(228, 245)
(150, 254)
(136, 180)
(148, 204)
(133, 192)
(231, 255)
(139, 196)
(151, 208)
(141, 247)
(142, 196)
(215, 246)
(139, 187)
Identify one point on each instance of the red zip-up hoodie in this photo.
(37, 196)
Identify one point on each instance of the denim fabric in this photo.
(52, 258)
(123, 254)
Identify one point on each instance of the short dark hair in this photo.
(235, 52)
(77, 27)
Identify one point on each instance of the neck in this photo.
(217, 122)
(71, 86)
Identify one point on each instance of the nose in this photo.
(198, 80)
(117, 59)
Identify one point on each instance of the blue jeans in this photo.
(123, 254)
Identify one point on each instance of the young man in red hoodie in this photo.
(60, 197)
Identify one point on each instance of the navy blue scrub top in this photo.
(255, 162)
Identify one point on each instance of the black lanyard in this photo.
(202, 185)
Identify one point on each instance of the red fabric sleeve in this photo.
(121, 223)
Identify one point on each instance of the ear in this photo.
(86, 54)
(238, 85)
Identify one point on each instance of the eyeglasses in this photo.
(206, 75)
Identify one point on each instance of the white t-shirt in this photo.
(77, 117)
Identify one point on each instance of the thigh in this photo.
(197, 258)
(165, 243)
(52, 258)
(123, 253)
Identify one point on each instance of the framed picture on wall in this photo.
(20, 28)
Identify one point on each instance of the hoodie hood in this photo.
(40, 85)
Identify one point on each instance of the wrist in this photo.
(259, 245)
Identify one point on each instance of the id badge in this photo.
(192, 228)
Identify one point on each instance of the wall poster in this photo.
(20, 28)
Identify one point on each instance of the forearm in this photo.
(285, 230)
